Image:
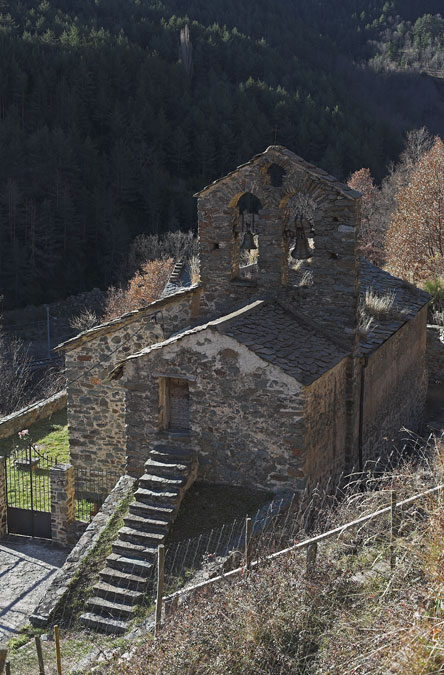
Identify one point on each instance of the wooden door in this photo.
(179, 404)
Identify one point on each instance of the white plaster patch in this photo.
(248, 362)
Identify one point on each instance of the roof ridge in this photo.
(154, 306)
(310, 168)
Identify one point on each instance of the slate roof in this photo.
(409, 300)
(279, 337)
(272, 333)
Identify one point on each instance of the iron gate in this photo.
(28, 492)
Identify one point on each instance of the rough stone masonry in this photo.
(270, 380)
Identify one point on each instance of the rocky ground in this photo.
(26, 569)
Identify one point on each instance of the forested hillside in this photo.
(105, 133)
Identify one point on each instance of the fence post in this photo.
(3, 500)
(312, 552)
(62, 502)
(160, 579)
(394, 528)
(3, 655)
(38, 646)
(247, 543)
(57, 643)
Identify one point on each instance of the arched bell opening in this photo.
(246, 234)
(300, 237)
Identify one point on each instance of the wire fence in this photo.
(92, 486)
(365, 511)
(280, 524)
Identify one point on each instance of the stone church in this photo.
(263, 367)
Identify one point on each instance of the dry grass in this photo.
(195, 269)
(366, 323)
(351, 614)
(377, 305)
(249, 257)
(306, 279)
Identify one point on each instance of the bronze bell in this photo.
(248, 243)
(301, 249)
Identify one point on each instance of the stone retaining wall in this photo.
(435, 354)
(3, 507)
(84, 547)
(11, 424)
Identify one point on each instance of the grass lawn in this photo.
(51, 437)
(50, 440)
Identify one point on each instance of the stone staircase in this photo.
(169, 472)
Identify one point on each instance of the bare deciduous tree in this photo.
(86, 319)
(143, 287)
(177, 245)
(415, 239)
(15, 374)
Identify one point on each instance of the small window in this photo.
(276, 174)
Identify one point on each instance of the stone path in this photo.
(26, 569)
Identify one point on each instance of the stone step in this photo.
(169, 496)
(124, 563)
(172, 435)
(123, 580)
(163, 512)
(146, 524)
(172, 454)
(109, 609)
(129, 550)
(149, 481)
(164, 467)
(116, 594)
(150, 539)
(102, 624)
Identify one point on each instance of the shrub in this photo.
(144, 287)
(436, 289)
(84, 320)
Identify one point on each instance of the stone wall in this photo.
(3, 507)
(325, 428)
(245, 415)
(96, 408)
(395, 387)
(435, 354)
(62, 503)
(333, 298)
(79, 555)
(23, 418)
